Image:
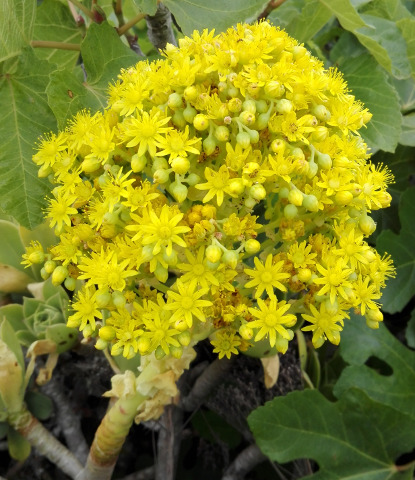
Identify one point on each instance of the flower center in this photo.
(187, 303)
(198, 270)
(270, 319)
(165, 232)
(266, 277)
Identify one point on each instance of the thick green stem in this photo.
(109, 438)
(44, 442)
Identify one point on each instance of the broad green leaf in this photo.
(148, 7)
(380, 36)
(402, 165)
(358, 344)
(346, 13)
(406, 91)
(400, 290)
(25, 116)
(305, 18)
(104, 54)
(407, 28)
(370, 85)
(286, 13)
(410, 331)
(408, 130)
(218, 14)
(386, 43)
(16, 26)
(391, 9)
(355, 437)
(54, 22)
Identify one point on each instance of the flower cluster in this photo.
(225, 192)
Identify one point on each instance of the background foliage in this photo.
(358, 416)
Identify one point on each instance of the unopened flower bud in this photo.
(213, 253)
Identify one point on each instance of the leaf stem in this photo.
(124, 28)
(83, 9)
(59, 45)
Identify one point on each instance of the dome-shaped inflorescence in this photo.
(224, 192)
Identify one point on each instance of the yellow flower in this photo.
(301, 255)
(86, 309)
(272, 318)
(160, 232)
(177, 144)
(197, 270)
(59, 210)
(334, 280)
(145, 131)
(324, 325)
(187, 303)
(217, 183)
(225, 343)
(266, 277)
(103, 269)
(365, 294)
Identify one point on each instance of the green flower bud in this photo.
(253, 136)
(296, 197)
(175, 100)
(178, 119)
(236, 186)
(178, 191)
(246, 332)
(192, 179)
(213, 253)
(235, 105)
(247, 118)
(103, 299)
(209, 145)
(243, 139)
(249, 106)
(37, 257)
(143, 345)
(274, 89)
(184, 338)
(176, 352)
(262, 121)
(250, 202)
(230, 258)
(284, 106)
(252, 246)
(190, 93)
(222, 133)
(324, 160)
(189, 113)
(159, 353)
(290, 211)
(44, 274)
(367, 225)
(321, 112)
(261, 106)
(310, 202)
(312, 169)
(180, 165)
(257, 192)
(159, 163)
(107, 333)
(161, 273)
(59, 275)
(138, 163)
(70, 283)
(161, 176)
(201, 122)
(118, 299)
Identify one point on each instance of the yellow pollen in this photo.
(266, 277)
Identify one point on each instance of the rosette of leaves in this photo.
(42, 317)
